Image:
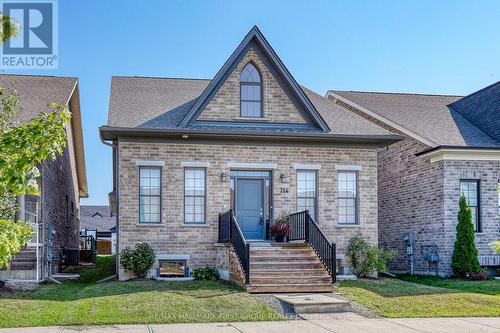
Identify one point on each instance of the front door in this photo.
(250, 207)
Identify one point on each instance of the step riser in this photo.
(323, 308)
(285, 265)
(291, 289)
(280, 252)
(289, 273)
(284, 259)
(288, 280)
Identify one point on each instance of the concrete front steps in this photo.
(285, 268)
(306, 304)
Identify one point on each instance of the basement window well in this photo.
(172, 269)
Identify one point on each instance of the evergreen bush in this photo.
(464, 260)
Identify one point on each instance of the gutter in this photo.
(457, 148)
(113, 133)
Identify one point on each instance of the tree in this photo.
(464, 258)
(23, 149)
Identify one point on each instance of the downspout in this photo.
(114, 146)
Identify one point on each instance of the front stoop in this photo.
(305, 304)
(285, 268)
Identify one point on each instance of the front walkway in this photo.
(314, 323)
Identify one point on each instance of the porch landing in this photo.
(286, 267)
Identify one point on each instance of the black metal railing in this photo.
(229, 231)
(303, 227)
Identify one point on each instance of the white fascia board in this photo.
(462, 154)
(382, 119)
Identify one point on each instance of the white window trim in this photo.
(243, 165)
(195, 164)
(303, 166)
(347, 167)
(150, 163)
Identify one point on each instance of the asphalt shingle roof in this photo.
(36, 93)
(140, 102)
(426, 115)
(482, 108)
(96, 218)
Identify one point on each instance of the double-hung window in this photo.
(149, 194)
(470, 189)
(194, 195)
(306, 192)
(348, 197)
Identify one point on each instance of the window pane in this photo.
(149, 194)
(306, 191)
(194, 195)
(347, 191)
(469, 189)
(250, 74)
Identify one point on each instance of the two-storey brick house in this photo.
(451, 147)
(253, 141)
(54, 213)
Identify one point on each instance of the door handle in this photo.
(261, 215)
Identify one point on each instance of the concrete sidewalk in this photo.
(313, 323)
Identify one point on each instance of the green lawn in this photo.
(395, 298)
(490, 287)
(146, 301)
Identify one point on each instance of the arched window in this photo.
(250, 92)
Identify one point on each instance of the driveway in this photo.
(312, 323)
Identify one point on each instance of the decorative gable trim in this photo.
(223, 73)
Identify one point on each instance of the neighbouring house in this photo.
(54, 214)
(451, 147)
(99, 222)
(202, 169)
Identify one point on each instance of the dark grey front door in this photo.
(250, 207)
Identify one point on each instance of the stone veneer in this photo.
(277, 106)
(172, 236)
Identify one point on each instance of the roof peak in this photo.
(256, 38)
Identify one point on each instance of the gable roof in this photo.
(159, 105)
(482, 108)
(96, 218)
(427, 118)
(36, 93)
(254, 36)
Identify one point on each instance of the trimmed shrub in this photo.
(206, 273)
(481, 276)
(464, 260)
(367, 259)
(138, 260)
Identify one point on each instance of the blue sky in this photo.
(442, 47)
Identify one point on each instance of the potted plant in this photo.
(279, 230)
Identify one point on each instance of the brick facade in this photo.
(410, 200)
(277, 106)
(54, 212)
(421, 197)
(58, 199)
(173, 237)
